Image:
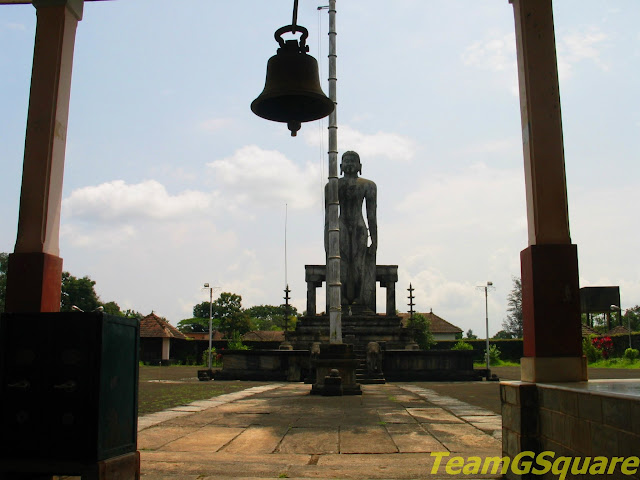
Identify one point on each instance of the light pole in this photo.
(206, 285)
(619, 310)
(486, 309)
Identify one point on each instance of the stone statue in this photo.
(358, 256)
(374, 357)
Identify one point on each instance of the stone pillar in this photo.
(166, 349)
(311, 298)
(314, 275)
(387, 275)
(550, 290)
(35, 268)
(391, 299)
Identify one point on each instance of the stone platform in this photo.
(356, 329)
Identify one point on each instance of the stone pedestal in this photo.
(361, 328)
(341, 358)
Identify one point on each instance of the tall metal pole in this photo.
(333, 253)
(486, 309)
(210, 321)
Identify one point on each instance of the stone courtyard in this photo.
(280, 431)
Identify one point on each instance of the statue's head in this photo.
(350, 163)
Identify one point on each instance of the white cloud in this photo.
(493, 146)
(497, 53)
(215, 124)
(580, 45)
(393, 146)
(16, 26)
(463, 199)
(467, 227)
(100, 237)
(118, 201)
(262, 178)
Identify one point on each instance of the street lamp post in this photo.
(206, 285)
(619, 310)
(486, 310)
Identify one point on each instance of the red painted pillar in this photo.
(35, 268)
(550, 288)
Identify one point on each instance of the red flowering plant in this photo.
(604, 345)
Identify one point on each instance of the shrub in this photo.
(590, 351)
(421, 331)
(494, 355)
(462, 345)
(236, 342)
(216, 358)
(631, 354)
(604, 345)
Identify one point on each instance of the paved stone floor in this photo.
(280, 431)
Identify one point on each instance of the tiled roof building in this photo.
(156, 327)
(440, 328)
(156, 338)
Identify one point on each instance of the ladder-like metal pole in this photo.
(332, 201)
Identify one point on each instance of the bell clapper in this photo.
(294, 127)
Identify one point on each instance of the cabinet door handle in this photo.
(68, 386)
(21, 385)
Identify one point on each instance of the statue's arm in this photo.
(371, 195)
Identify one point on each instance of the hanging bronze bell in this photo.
(292, 91)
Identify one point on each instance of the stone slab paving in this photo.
(281, 431)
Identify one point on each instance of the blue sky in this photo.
(171, 181)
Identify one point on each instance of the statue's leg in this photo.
(359, 252)
(345, 255)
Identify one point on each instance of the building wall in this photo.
(444, 336)
(569, 422)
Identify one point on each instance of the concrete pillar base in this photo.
(553, 369)
(551, 301)
(33, 283)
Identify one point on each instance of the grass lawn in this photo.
(501, 363)
(160, 388)
(616, 363)
(611, 363)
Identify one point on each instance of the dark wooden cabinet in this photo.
(68, 386)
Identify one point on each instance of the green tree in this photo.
(78, 292)
(201, 310)
(632, 316)
(502, 335)
(192, 325)
(271, 317)
(4, 261)
(129, 313)
(470, 335)
(422, 331)
(227, 314)
(112, 308)
(513, 323)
